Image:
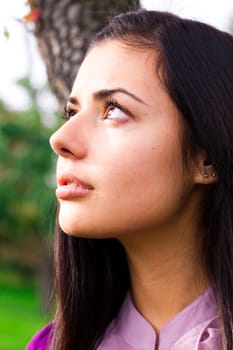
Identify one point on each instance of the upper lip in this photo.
(66, 179)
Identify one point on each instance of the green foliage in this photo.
(26, 172)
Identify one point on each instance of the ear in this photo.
(205, 173)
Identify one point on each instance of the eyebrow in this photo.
(104, 93)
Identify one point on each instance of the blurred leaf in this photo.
(6, 33)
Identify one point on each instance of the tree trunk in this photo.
(64, 31)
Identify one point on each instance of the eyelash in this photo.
(68, 113)
(110, 102)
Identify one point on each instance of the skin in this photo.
(141, 192)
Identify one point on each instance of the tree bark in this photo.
(64, 31)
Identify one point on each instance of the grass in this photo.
(20, 315)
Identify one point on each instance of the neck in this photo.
(166, 274)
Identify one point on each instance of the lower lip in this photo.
(72, 191)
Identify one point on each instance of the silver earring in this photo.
(205, 175)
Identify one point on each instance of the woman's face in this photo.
(120, 168)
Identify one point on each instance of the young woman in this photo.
(144, 252)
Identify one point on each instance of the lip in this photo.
(70, 186)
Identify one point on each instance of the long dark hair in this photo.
(197, 71)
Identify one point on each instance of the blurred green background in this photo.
(27, 211)
(21, 313)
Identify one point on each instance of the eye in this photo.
(69, 112)
(113, 111)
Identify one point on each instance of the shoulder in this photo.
(40, 341)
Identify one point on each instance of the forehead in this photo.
(112, 63)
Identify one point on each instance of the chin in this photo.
(69, 229)
(80, 231)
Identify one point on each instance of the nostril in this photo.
(64, 150)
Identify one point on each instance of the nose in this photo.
(68, 140)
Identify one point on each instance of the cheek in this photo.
(143, 166)
(143, 183)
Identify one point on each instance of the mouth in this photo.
(70, 186)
